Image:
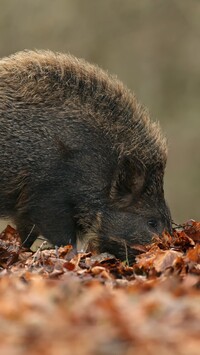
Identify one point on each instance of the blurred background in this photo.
(152, 46)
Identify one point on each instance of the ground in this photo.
(52, 303)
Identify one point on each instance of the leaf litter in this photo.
(52, 302)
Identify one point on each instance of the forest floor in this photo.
(91, 304)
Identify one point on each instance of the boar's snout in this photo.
(120, 231)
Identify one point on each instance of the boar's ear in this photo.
(128, 181)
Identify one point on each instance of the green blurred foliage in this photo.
(152, 46)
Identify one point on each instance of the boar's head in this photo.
(137, 210)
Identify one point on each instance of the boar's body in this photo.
(79, 155)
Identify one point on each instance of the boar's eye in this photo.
(153, 223)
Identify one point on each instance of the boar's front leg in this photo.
(51, 216)
(57, 227)
(27, 229)
(59, 231)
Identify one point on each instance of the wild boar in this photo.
(80, 157)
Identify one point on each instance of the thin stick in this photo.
(28, 234)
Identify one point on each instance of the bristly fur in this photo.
(55, 77)
(79, 155)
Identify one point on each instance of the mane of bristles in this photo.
(45, 78)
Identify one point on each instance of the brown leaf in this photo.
(194, 254)
(165, 259)
(192, 229)
(69, 266)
